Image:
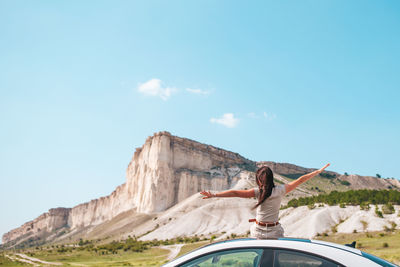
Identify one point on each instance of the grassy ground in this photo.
(189, 247)
(7, 262)
(151, 257)
(384, 245)
(320, 184)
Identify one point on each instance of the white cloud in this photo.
(154, 87)
(270, 116)
(198, 91)
(228, 120)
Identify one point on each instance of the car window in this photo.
(287, 258)
(236, 257)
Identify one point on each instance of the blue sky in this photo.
(83, 83)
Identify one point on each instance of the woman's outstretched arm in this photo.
(291, 186)
(230, 193)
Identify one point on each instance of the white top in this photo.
(268, 211)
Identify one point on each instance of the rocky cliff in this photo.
(163, 172)
(168, 170)
(43, 225)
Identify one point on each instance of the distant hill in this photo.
(160, 196)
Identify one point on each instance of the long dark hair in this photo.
(265, 182)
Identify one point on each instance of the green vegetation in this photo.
(351, 197)
(327, 175)
(378, 212)
(4, 261)
(150, 257)
(345, 183)
(364, 206)
(311, 207)
(388, 208)
(372, 242)
(189, 247)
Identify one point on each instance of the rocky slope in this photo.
(163, 175)
(164, 171)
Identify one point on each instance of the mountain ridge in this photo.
(162, 173)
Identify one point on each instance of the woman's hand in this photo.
(207, 194)
(323, 168)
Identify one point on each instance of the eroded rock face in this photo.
(167, 169)
(46, 223)
(164, 171)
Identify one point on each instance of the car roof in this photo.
(319, 242)
(317, 247)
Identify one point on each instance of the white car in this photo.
(284, 252)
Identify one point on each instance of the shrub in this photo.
(385, 245)
(350, 197)
(378, 212)
(345, 183)
(388, 209)
(327, 175)
(364, 206)
(393, 225)
(342, 205)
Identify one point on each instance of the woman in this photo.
(269, 199)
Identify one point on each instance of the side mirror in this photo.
(352, 245)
